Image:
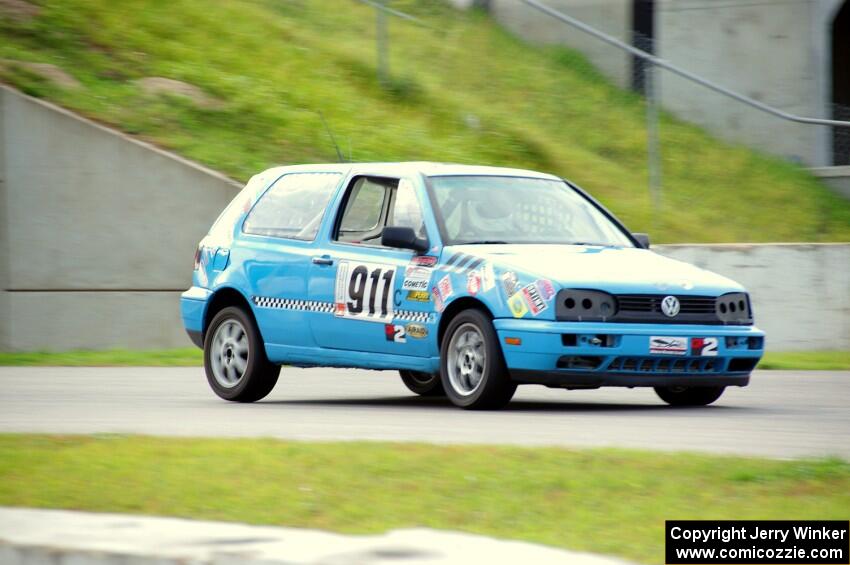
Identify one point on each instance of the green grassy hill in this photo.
(462, 90)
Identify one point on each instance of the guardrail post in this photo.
(653, 141)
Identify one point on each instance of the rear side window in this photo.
(294, 207)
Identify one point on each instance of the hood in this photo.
(612, 269)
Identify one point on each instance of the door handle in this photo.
(325, 260)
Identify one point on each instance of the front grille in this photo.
(652, 303)
(579, 305)
(664, 365)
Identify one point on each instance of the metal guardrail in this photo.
(659, 62)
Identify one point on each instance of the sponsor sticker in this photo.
(509, 282)
(473, 282)
(545, 288)
(419, 295)
(416, 331)
(444, 287)
(488, 277)
(416, 278)
(518, 306)
(438, 300)
(532, 296)
(667, 345)
(395, 333)
(424, 261)
(704, 346)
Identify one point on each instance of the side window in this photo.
(363, 218)
(294, 207)
(406, 211)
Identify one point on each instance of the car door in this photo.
(277, 244)
(369, 284)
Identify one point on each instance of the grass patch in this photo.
(807, 360)
(186, 357)
(606, 501)
(462, 89)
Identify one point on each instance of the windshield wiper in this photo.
(485, 242)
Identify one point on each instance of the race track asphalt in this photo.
(781, 414)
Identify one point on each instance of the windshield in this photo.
(489, 209)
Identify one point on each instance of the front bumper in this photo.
(193, 307)
(591, 355)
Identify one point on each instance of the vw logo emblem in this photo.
(670, 306)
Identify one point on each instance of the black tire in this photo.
(423, 384)
(689, 396)
(259, 375)
(494, 388)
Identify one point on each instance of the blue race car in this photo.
(467, 280)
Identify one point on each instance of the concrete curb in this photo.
(31, 537)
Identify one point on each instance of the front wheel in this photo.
(423, 384)
(235, 360)
(689, 396)
(472, 367)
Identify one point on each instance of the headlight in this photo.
(584, 305)
(734, 308)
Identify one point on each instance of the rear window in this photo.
(293, 207)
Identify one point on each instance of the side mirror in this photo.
(642, 239)
(404, 238)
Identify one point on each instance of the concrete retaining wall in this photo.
(98, 231)
(800, 292)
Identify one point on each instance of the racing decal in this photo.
(517, 305)
(419, 295)
(445, 287)
(704, 346)
(395, 333)
(473, 282)
(438, 300)
(424, 260)
(545, 288)
(331, 308)
(665, 345)
(292, 304)
(509, 282)
(362, 291)
(488, 277)
(413, 316)
(416, 331)
(532, 296)
(416, 278)
(462, 263)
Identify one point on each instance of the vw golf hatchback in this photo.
(467, 280)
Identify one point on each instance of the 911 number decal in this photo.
(363, 291)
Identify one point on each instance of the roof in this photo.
(425, 168)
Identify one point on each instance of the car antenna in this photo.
(331, 135)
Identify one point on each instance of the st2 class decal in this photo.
(363, 291)
(704, 346)
(395, 333)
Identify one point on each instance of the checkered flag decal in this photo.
(411, 316)
(292, 304)
(328, 308)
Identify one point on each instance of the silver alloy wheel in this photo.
(467, 359)
(229, 353)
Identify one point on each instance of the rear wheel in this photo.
(423, 384)
(472, 368)
(235, 360)
(689, 396)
